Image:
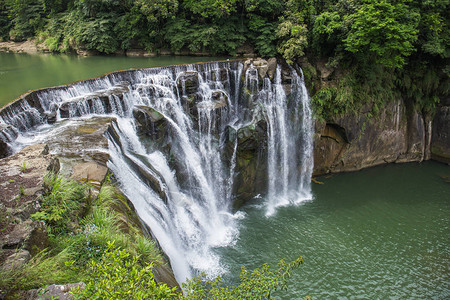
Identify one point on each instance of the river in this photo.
(20, 73)
(381, 233)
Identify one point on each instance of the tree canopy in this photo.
(359, 36)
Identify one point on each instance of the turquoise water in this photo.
(381, 233)
(20, 73)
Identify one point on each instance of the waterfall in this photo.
(175, 146)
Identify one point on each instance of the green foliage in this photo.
(262, 34)
(26, 16)
(223, 37)
(293, 40)
(259, 284)
(61, 203)
(5, 22)
(383, 29)
(120, 275)
(155, 10)
(211, 8)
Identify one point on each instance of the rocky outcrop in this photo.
(21, 183)
(353, 142)
(54, 291)
(249, 144)
(440, 140)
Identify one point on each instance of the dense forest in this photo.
(377, 49)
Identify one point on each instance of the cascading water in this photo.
(178, 163)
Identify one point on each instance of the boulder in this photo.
(31, 235)
(16, 260)
(150, 122)
(188, 82)
(54, 291)
(271, 67)
(261, 65)
(91, 172)
(81, 141)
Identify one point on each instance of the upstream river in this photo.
(20, 73)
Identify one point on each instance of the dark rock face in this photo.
(440, 141)
(150, 122)
(251, 160)
(354, 142)
(188, 82)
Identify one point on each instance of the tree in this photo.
(384, 29)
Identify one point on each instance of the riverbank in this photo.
(32, 46)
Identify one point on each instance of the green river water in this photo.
(381, 233)
(20, 73)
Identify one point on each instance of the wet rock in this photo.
(50, 117)
(188, 82)
(252, 137)
(80, 141)
(260, 64)
(251, 160)
(219, 100)
(100, 102)
(7, 135)
(271, 67)
(145, 114)
(219, 75)
(4, 149)
(150, 122)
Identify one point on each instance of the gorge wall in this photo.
(353, 142)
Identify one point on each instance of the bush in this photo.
(121, 275)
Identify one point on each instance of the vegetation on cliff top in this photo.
(383, 49)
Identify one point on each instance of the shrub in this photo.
(121, 275)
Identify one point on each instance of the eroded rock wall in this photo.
(352, 142)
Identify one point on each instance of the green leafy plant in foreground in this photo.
(121, 275)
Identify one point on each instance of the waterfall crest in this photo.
(182, 140)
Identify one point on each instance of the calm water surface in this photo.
(382, 233)
(20, 73)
